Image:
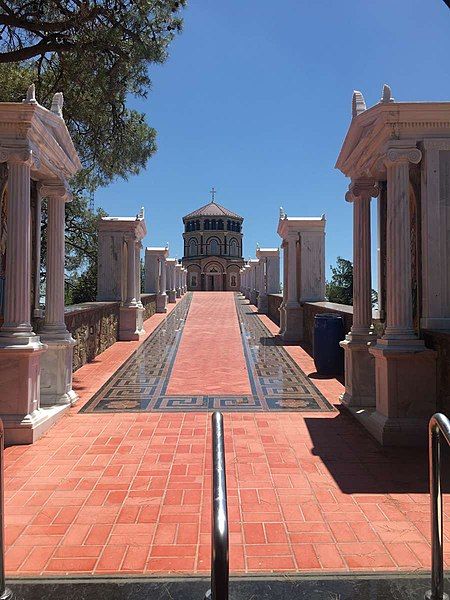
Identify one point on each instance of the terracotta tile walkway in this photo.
(210, 359)
(130, 493)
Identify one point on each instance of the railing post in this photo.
(436, 508)
(219, 517)
(5, 593)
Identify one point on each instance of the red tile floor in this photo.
(130, 493)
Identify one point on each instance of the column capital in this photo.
(20, 155)
(55, 189)
(363, 188)
(402, 154)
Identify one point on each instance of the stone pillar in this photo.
(405, 370)
(293, 326)
(285, 286)
(56, 363)
(170, 262)
(161, 300)
(131, 312)
(359, 363)
(262, 296)
(178, 280)
(137, 250)
(254, 281)
(37, 312)
(20, 348)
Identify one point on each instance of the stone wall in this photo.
(149, 304)
(440, 342)
(274, 301)
(94, 326)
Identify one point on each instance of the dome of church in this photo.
(212, 209)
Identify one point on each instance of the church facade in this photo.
(213, 248)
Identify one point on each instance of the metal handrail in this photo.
(219, 517)
(5, 593)
(439, 426)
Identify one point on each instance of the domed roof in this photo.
(212, 209)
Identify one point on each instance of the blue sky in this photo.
(255, 100)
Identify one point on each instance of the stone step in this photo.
(312, 586)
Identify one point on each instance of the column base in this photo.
(28, 429)
(293, 323)
(400, 432)
(131, 320)
(282, 318)
(359, 371)
(172, 295)
(56, 371)
(254, 297)
(178, 293)
(263, 304)
(161, 303)
(405, 378)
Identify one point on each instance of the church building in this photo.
(213, 248)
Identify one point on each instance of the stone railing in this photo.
(273, 302)
(149, 304)
(94, 327)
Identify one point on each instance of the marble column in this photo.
(137, 250)
(254, 282)
(56, 364)
(177, 275)
(131, 312)
(37, 312)
(171, 280)
(405, 370)
(20, 348)
(262, 296)
(359, 363)
(162, 294)
(285, 286)
(293, 326)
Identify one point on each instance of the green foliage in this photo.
(97, 52)
(340, 288)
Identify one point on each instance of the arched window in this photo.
(220, 224)
(238, 227)
(206, 224)
(214, 248)
(228, 225)
(192, 251)
(234, 248)
(213, 224)
(197, 225)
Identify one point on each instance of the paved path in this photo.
(130, 493)
(210, 358)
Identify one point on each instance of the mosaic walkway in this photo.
(211, 353)
(129, 492)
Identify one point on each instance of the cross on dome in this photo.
(213, 193)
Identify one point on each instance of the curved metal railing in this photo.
(219, 521)
(439, 427)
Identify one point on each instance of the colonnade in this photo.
(164, 277)
(260, 277)
(35, 367)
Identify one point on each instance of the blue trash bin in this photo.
(328, 355)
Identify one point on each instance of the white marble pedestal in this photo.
(131, 323)
(161, 303)
(263, 303)
(172, 296)
(56, 372)
(23, 419)
(405, 393)
(359, 371)
(293, 322)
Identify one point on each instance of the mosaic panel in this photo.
(277, 382)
